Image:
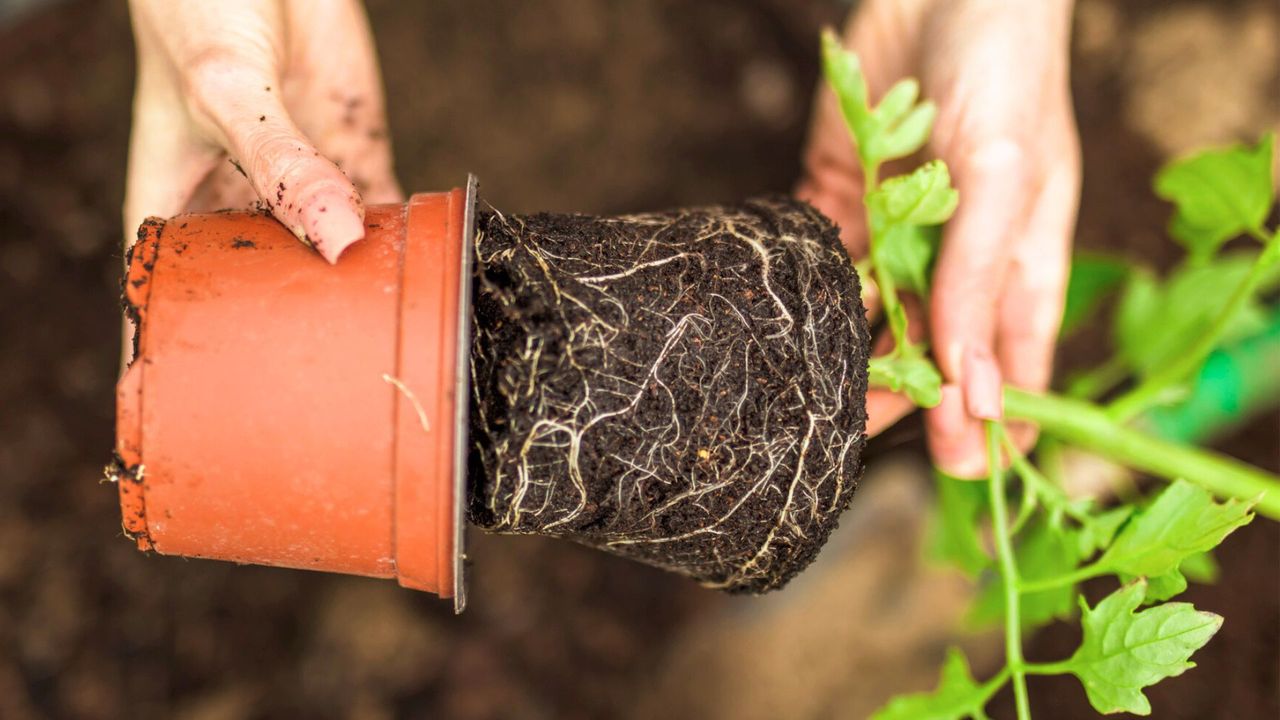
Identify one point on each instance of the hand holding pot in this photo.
(286, 94)
(997, 70)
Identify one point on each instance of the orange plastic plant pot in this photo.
(282, 411)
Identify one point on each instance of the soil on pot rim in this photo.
(685, 388)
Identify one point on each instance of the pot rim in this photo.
(462, 395)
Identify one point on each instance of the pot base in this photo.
(282, 411)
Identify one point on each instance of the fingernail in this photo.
(331, 223)
(983, 393)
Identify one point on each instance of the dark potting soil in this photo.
(684, 388)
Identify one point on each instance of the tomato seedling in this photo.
(1164, 330)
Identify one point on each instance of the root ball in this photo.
(685, 388)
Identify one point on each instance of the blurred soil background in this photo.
(566, 105)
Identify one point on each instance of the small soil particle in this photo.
(240, 242)
(684, 388)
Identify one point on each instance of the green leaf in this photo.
(906, 253)
(1124, 652)
(1218, 194)
(954, 530)
(904, 212)
(1183, 521)
(843, 71)
(1139, 305)
(1201, 568)
(904, 138)
(1042, 552)
(896, 128)
(1100, 530)
(898, 101)
(897, 316)
(1093, 277)
(914, 375)
(1160, 587)
(1157, 322)
(958, 696)
(924, 197)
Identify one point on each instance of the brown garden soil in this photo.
(605, 107)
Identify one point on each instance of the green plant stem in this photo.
(1055, 668)
(1053, 495)
(889, 301)
(1074, 577)
(1260, 234)
(870, 175)
(1081, 424)
(888, 290)
(993, 685)
(1008, 571)
(1026, 510)
(1132, 403)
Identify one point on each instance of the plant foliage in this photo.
(1164, 328)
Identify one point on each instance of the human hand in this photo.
(997, 70)
(285, 93)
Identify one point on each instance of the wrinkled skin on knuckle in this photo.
(276, 158)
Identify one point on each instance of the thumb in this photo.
(304, 190)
